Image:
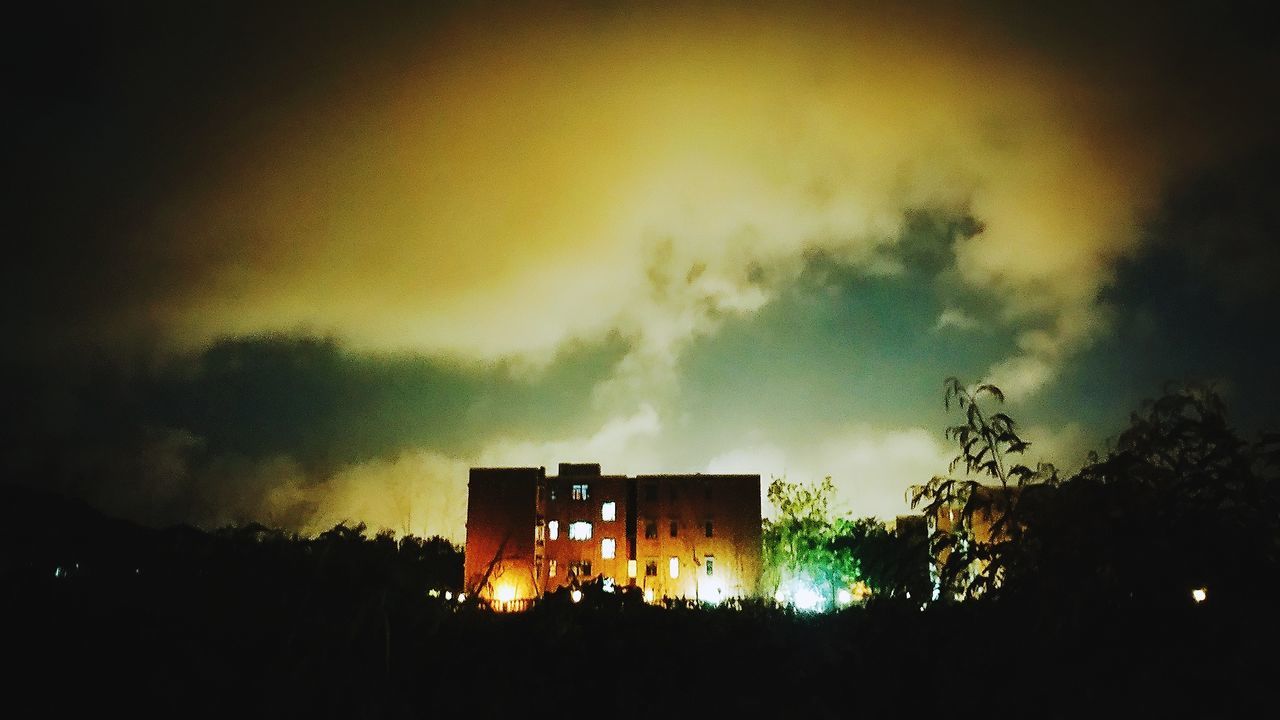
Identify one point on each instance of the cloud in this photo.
(872, 468)
(508, 186)
(625, 445)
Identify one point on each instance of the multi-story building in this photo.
(673, 536)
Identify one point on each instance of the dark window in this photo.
(580, 491)
(651, 529)
(651, 568)
(582, 568)
(711, 565)
(674, 527)
(710, 529)
(651, 492)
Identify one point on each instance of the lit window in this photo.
(651, 529)
(551, 569)
(551, 491)
(553, 529)
(673, 567)
(710, 529)
(651, 568)
(580, 492)
(609, 511)
(580, 530)
(608, 547)
(538, 531)
(710, 563)
(674, 527)
(631, 568)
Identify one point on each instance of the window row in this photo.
(651, 529)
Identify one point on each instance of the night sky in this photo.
(309, 262)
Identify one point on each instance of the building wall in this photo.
(501, 517)
(524, 502)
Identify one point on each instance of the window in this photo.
(580, 491)
(673, 567)
(709, 562)
(651, 568)
(651, 529)
(631, 568)
(551, 491)
(609, 511)
(551, 569)
(582, 568)
(674, 528)
(608, 548)
(580, 530)
(553, 530)
(651, 492)
(538, 532)
(710, 528)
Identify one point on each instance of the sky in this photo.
(302, 263)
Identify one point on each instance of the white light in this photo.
(806, 599)
(576, 595)
(780, 596)
(844, 597)
(608, 548)
(608, 585)
(1199, 594)
(433, 593)
(673, 567)
(553, 529)
(580, 530)
(462, 596)
(631, 568)
(648, 595)
(506, 593)
(609, 511)
(448, 594)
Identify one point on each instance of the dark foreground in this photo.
(182, 623)
(216, 650)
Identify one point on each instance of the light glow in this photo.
(673, 567)
(580, 530)
(575, 595)
(505, 593)
(609, 511)
(608, 548)
(553, 529)
(1200, 594)
(844, 597)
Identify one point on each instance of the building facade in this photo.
(694, 537)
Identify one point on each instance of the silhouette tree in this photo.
(1180, 502)
(976, 529)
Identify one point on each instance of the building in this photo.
(695, 536)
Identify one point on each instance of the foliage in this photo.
(1181, 501)
(799, 545)
(892, 562)
(977, 544)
